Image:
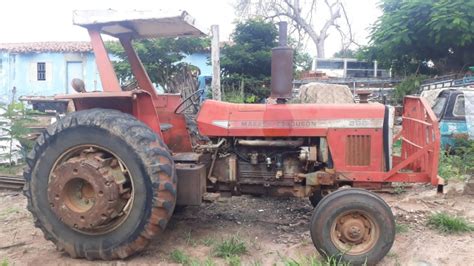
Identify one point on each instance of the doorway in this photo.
(74, 70)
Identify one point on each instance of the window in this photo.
(458, 109)
(41, 71)
(327, 64)
(438, 107)
(360, 65)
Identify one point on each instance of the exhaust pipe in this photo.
(282, 66)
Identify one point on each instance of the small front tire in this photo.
(354, 225)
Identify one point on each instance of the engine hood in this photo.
(285, 120)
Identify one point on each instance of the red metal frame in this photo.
(137, 103)
(145, 104)
(419, 157)
(137, 67)
(420, 134)
(106, 70)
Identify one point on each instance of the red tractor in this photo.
(105, 179)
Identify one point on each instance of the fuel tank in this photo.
(222, 119)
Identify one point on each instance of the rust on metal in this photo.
(270, 143)
(318, 178)
(358, 150)
(282, 66)
(86, 192)
(354, 232)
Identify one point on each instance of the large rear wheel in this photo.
(354, 225)
(100, 184)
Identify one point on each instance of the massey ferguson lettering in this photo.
(347, 123)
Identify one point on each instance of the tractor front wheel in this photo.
(354, 225)
(100, 184)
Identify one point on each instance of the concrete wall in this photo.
(20, 70)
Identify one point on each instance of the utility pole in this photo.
(216, 65)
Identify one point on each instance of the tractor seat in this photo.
(165, 127)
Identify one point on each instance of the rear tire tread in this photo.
(150, 150)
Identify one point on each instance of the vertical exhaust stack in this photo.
(282, 67)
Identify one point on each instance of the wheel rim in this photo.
(354, 232)
(90, 189)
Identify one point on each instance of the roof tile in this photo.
(41, 47)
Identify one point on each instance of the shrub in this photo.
(446, 223)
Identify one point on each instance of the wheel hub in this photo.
(352, 230)
(354, 233)
(83, 192)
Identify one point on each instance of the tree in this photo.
(300, 14)
(345, 53)
(419, 36)
(161, 59)
(246, 64)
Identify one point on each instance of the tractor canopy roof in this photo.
(139, 24)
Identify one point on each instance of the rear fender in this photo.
(137, 103)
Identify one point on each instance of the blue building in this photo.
(46, 68)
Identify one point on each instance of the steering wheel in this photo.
(194, 98)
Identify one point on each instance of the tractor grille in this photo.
(358, 150)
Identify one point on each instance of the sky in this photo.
(51, 20)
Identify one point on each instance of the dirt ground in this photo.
(274, 230)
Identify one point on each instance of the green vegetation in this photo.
(457, 162)
(447, 223)
(412, 34)
(20, 117)
(230, 247)
(246, 63)
(399, 188)
(5, 262)
(5, 213)
(208, 241)
(410, 85)
(10, 169)
(178, 256)
(314, 261)
(401, 228)
(233, 260)
(160, 57)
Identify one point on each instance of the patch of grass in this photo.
(189, 238)
(391, 254)
(401, 228)
(314, 261)
(446, 223)
(5, 262)
(256, 263)
(179, 256)
(208, 262)
(10, 169)
(208, 241)
(230, 247)
(8, 211)
(399, 189)
(233, 260)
